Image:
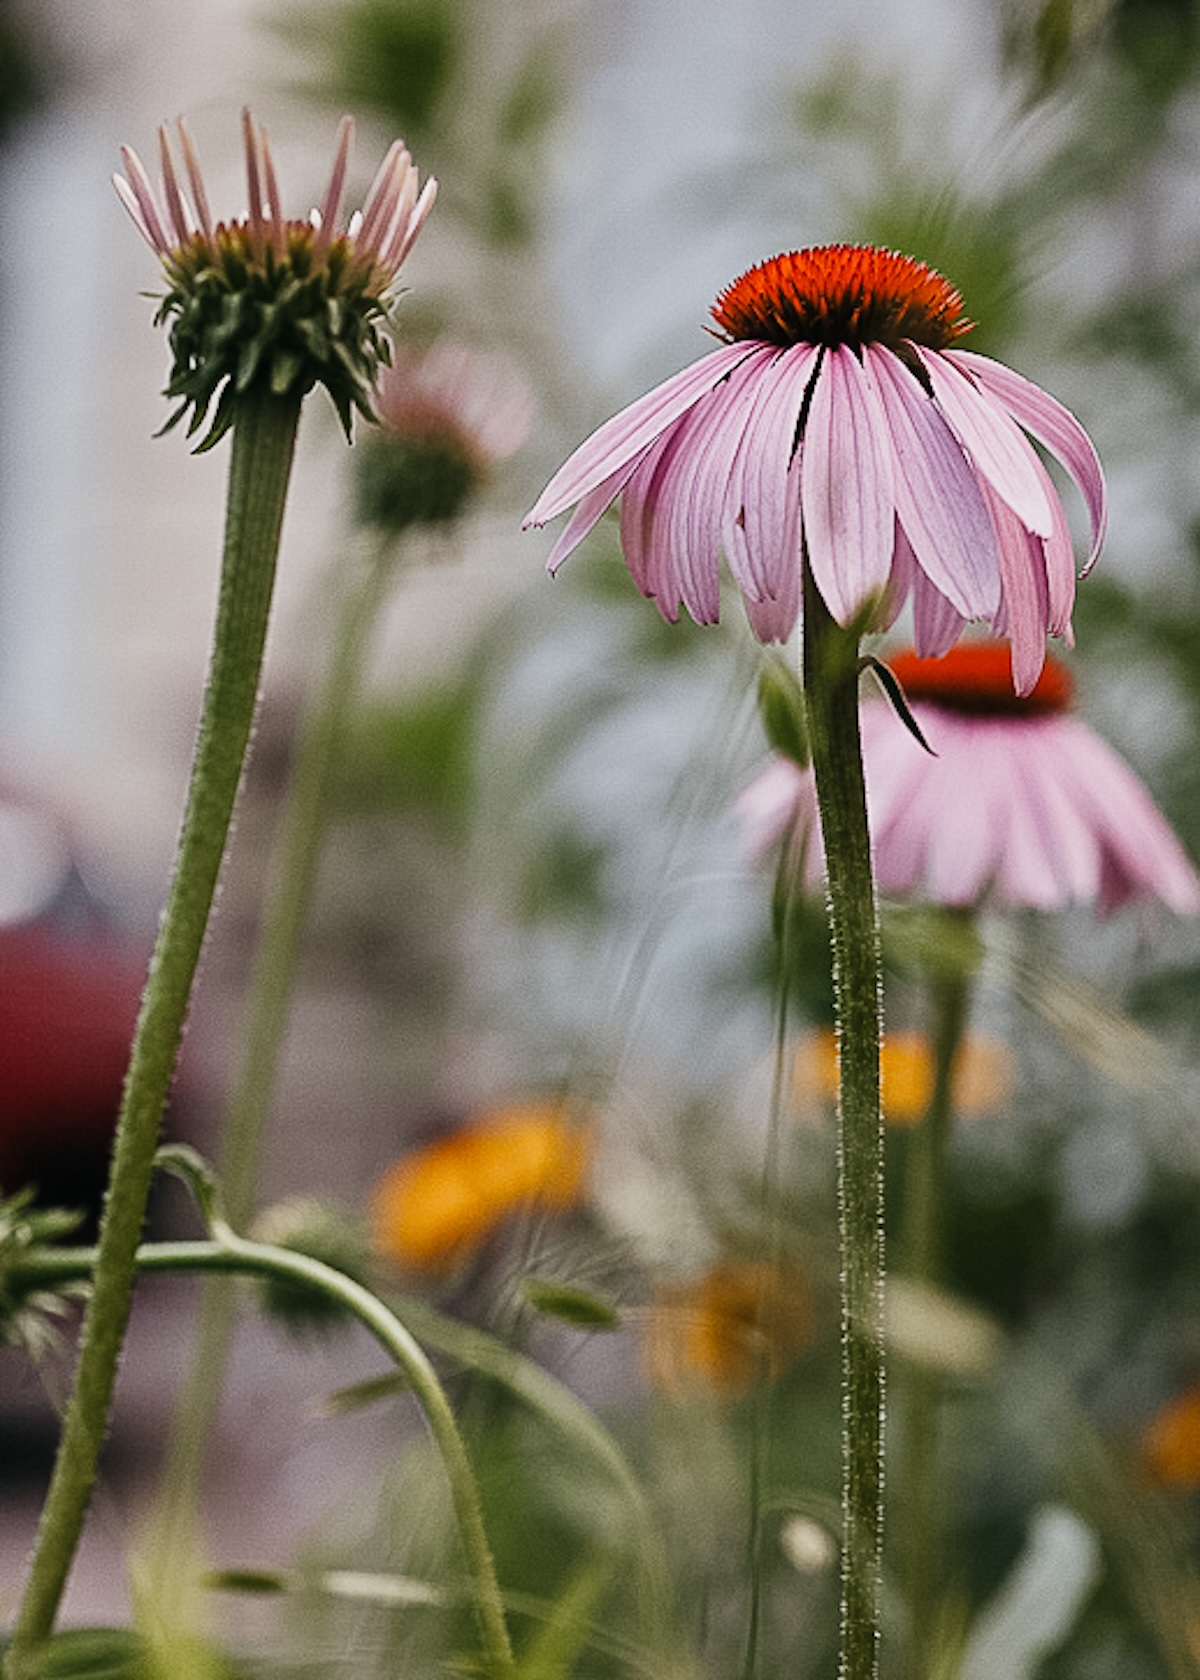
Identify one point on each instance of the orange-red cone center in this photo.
(842, 294)
(976, 677)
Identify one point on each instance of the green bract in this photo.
(239, 316)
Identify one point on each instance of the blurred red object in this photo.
(70, 985)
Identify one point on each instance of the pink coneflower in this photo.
(479, 397)
(291, 303)
(1023, 804)
(837, 423)
(448, 415)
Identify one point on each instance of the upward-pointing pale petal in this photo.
(591, 508)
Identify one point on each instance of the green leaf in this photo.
(367, 1393)
(259, 1581)
(575, 1306)
(781, 707)
(553, 1654)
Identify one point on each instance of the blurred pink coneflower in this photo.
(448, 415)
(1023, 803)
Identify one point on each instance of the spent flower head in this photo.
(266, 300)
(840, 427)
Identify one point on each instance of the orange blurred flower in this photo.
(1171, 1444)
(983, 1075)
(445, 1199)
(733, 1324)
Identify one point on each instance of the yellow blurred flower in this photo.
(445, 1199)
(735, 1323)
(1171, 1445)
(983, 1075)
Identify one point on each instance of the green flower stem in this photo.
(926, 1176)
(831, 675)
(922, 1551)
(263, 446)
(758, 1465)
(229, 1253)
(296, 867)
(299, 852)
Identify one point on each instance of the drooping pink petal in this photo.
(936, 624)
(690, 523)
(628, 432)
(1051, 857)
(1024, 592)
(590, 509)
(938, 498)
(846, 486)
(695, 484)
(762, 513)
(647, 554)
(1059, 554)
(916, 849)
(999, 450)
(899, 588)
(774, 617)
(1052, 425)
(1141, 855)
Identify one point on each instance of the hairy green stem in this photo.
(921, 1554)
(831, 673)
(230, 1254)
(260, 466)
(283, 924)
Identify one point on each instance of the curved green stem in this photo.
(231, 1254)
(260, 466)
(920, 1494)
(295, 873)
(831, 696)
